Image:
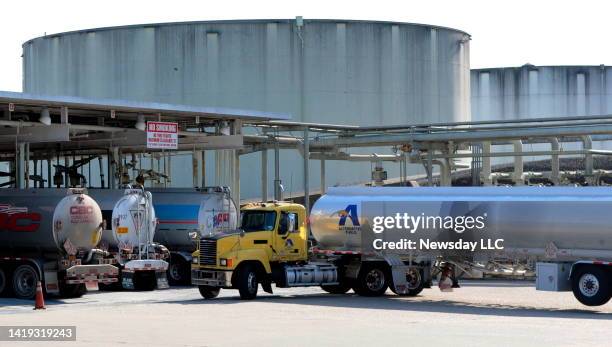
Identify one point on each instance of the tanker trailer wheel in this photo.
(209, 292)
(591, 285)
(2, 281)
(415, 283)
(25, 278)
(178, 271)
(72, 290)
(371, 281)
(247, 283)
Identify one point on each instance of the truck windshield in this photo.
(258, 220)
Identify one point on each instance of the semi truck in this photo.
(128, 236)
(50, 235)
(564, 231)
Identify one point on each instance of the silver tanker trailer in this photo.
(181, 213)
(566, 231)
(128, 236)
(50, 235)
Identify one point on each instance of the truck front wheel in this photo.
(247, 282)
(591, 285)
(209, 292)
(372, 281)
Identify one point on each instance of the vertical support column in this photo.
(554, 161)
(264, 175)
(306, 171)
(323, 184)
(195, 167)
(203, 168)
(66, 175)
(430, 166)
(236, 176)
(486, 163)
(20, 166)
(26, 174)
(278, 191)
(587, 145)
(113, 162)
(49, 178)
(518, 163)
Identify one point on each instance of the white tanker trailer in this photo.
(185, 212)
(128, 236)
(566, 231)
(50, 235)
(180, 213)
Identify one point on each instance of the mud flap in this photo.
(127, 280)
(267, 286)
(162, 279)
(398, 273)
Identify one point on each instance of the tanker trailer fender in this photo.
(591, 282)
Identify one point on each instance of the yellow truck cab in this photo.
(271, 239)
(271, 246)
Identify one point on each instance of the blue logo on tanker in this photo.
(349, 212)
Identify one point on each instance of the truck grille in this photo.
(208, 252)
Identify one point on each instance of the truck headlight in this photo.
(195, 260)
(225, 262)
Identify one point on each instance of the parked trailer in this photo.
(183, 213)
(128, 236)
(564, 229)
(50, 235)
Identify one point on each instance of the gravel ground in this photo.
(481, 313)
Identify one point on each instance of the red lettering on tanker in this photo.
(81, 214)
(18, 219)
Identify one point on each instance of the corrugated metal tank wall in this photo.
(541, 91)
(326, 71)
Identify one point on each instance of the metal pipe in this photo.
(355, 157)
(278, 195)
(459, 136)
(264, 175)
(306, 171)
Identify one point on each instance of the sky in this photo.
(504, 33)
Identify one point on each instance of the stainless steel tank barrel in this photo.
(549, 222)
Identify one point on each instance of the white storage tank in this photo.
(321, 71)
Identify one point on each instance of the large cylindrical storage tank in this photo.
(540, 91)
(321, 71)
(530, 91)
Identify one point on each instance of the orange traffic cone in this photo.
(39, 304)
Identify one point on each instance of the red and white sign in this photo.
(162, 135)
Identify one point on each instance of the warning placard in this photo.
(162, 135)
